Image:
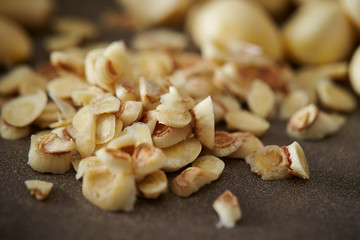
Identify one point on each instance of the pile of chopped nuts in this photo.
(123, 118)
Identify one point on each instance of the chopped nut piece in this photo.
(247, 122)
(69, 62)
(354, 73)
(85, 164)
(125, 91)
(153, 185)
(269, 162)
(228, 208)
(43, 162)
(52, 144)
(40, 189)
(105, 128)
(84, 97)
(205, 122)
(172, 117)
(10, 132)
(150, 118)
(23, 110)
(67, 110)
(165, 136)
(150, 93)
(296, 160)
(108, 190)
(131, 111)
(147, 159)
(293, 102)
(210, 163)
(117, 160)
(105, 104)
(335, 97)
(10, 82)
(191, 180)
(261, 99)
(250, 144)
(181, 154)
(225, 143)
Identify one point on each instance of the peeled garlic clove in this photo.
(210, 163)
(354, 72)
(228, 208)
(269, 162)
(153, 185)
(247, 122)
(225, 21)
(165, 136)
(109, 191)
(181, 154)
(296, 159)
(205, 122)
(250, 144)
(328, 38)
(23, 110)
(225, 143)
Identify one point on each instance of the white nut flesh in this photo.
(246, 122)
(125, 91)
(269, 162)
(250, 144)
(334, 97)
(173, 117)
(261, 99)
(105, 104)
(225, 143)
(51, 143)
(228, 208)
(85, 164)
(165, 136)
(23, 110)
(153, 185)
(105, 128)
(181, 154)
(109, 191)
(303, 118)
(40, 189)
(131, 111)
(191, 180)
(354, 72)
(210, 163)
(296, 159)
(205, 122)
(63, 86)
(147, 159)
(43, 162)
(117, 160)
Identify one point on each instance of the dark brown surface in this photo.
(325, 207)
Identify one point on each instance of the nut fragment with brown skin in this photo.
(225, 143)
(245, 121)
(147, 159)
(311, 123)
(250, 143)
(191, 180)
(57, 163)
(210, 163)
(153, 185)
(69, 62)
(269, 162)
(181, 154)
(296, 160)
(354, 72)
(108, 190)
(165, 136)
(40, 189)
(150, 92)
(52, 144)
(228, 208)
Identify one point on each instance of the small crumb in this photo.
(15, 171)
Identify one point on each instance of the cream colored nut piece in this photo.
(160, 39)
(199, 87)
(105, 128)
(12, 133)
(32, 84)
(165, 136)
(225, 143)
(40, 189)
(210, 163)
(296, 160)
(74, 25)
(172, 117)
(67, 110)
(109, 191)
(269, 162)
(175, 100)
(245, 121)
(52, 144)
(125, 91)
(50, 115)
(352, 9)
(150, 92)
(84, 123)
(225, 21)
(147, 159)
(292, 103)
(62, 87)
(261, 99)
(105, 104)
(354, 72)
(191, 180)
(84, 97)
(310, 123)
(15, 44)
(250, 144)
(69, 62)
(152, 64)
(181, 154)
(153, 185)
(118, 161)
(23, 110)
(329, 38)
(205, 122)
(87, 163)
(228, 208)
(150, 118)
(334, 97)
(131, 111)
(228, 102)
(43, 162)
(33, 14)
